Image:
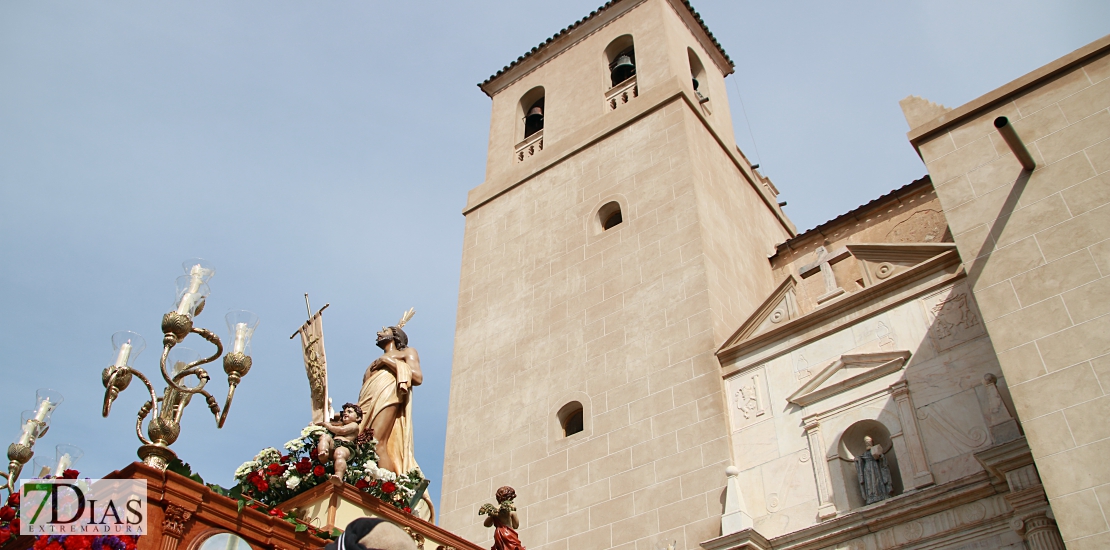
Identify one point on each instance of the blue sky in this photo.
(327, 147)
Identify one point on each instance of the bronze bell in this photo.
(623, 69)
(535, 113)
(695, 84)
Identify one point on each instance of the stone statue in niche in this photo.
(874, 475)
(504, 519)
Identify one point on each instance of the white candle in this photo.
(124, 354)
(43, 410)
(28, 429)
(63, 464)
(186, 305)
(196, 275)
(240, 338)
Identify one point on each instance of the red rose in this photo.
(7, 513)
(362, 484)
(388, 487)
(284, 459)
(304, 466)
(408, 510)
(70, 474)
(373, 484)
(15, 525)
(263, 486)
(275, 469)
(55, 545)
(319, 471)
(5, 534)
(77, 542)
(277, 513)
(40, 542)
(13, 500)
(130, 542)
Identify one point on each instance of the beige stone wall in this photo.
(1039, 256)
(552, 309)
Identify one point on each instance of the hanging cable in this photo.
(747, 121)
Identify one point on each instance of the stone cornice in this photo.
(864, 303)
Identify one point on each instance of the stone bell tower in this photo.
(618, 239)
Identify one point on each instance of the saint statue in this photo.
(504, 519)
(873, 473)
(386, 398)
(340, 447)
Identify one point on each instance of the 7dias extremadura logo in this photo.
(82, 506)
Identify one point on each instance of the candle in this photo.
(28, 431)
(43, 410)
(186, 305)
(196, 277)
(63, 464)
(124, 354)
(241, 333)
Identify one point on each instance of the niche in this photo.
(852, 445)
(621, 56)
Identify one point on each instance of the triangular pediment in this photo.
(780, 307)
(880, 261)
(848, 372)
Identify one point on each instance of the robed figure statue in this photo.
(386, 398)
(873, 473)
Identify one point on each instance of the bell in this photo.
(622, 69)
(535, 115)
(695, 84)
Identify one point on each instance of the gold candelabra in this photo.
(165, 422)
(33, 425)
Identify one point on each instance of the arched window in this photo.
(224, 541)
(610, 215)
(697, 73)
(621, 55)
(531, 111)
(853, 445)
(571, 418)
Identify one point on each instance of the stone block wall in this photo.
(1037, 247)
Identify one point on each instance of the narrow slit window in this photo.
(571, 418)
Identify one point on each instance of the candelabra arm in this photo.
(143, 411)
(192, 368)
(221, 415)
(111, 384)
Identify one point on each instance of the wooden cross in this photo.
(824, 262)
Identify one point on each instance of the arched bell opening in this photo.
(697, 74)
(571, 418)
(531, 111)
(610, 215)
(621, 55)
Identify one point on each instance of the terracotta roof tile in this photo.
(593, 14)
(905, 189)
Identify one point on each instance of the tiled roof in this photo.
(593, 14)
(854, 213)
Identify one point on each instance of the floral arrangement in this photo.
(272, 477)
(9, 530)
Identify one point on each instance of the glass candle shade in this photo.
(126, 346)
(28, 429)
(46, 400)
(241, 324)
(174, 402)
(190, 295)
(66, 457)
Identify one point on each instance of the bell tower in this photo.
(619, 237)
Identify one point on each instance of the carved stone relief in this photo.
(747, 398)
(952, 316)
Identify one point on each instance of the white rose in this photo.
(246, 468)
(294, 445)
(292, 482)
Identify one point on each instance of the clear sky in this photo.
(327, 147)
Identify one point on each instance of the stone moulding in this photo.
(875, 365)
(863, 304)
(883, 260)
(782, 301)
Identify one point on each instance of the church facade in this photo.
(653, 357)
